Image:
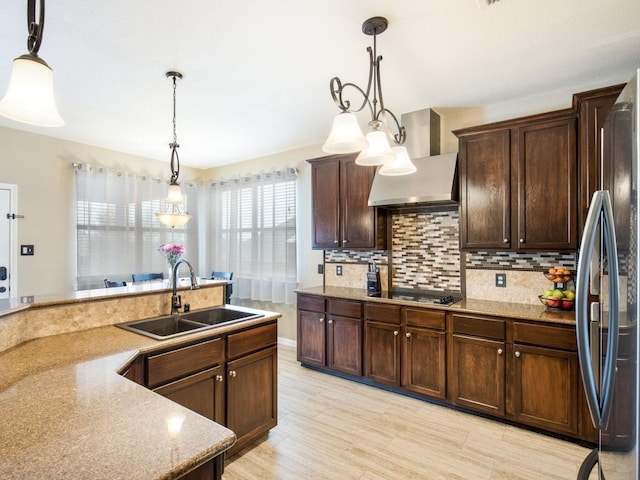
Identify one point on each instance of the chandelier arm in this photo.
(35, 29)
(175, 163)
(337, 91)
(401, 134)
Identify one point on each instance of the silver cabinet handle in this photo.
(219, 378)
(330, 322)
(499, 351)
(321, 319)
(408, 335)
(517, 354)
(335, 241)
(522, 240)
(344, 242)
(505, 240)
(232, 373)
(395, 333)
(600, 210)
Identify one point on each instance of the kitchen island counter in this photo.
(68, 413)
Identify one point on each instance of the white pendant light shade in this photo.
(174, 194)
(378, 152)
(173, 219)
(29, 98)
(402, 165)
(346, 135)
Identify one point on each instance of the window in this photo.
(117, 231)
(252, 232)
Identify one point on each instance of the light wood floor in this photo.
(330, 428)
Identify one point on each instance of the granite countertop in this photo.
(67, 413)
(481, 307)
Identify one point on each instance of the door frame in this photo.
(13, 239)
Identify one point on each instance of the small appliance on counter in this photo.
(374, 288)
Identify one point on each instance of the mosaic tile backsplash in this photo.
(425, 255)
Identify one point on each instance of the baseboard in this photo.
(287, 342)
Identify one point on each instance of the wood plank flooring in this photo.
(330, 428)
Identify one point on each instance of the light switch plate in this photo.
(26, 250)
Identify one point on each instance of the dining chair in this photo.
(109, 284)
(229, 287)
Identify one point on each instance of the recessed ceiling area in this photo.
(256, 74)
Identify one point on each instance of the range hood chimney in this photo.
(435, 182)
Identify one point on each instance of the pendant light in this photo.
(29, 98)
(174, 218)
(346, 136)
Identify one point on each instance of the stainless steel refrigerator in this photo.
(607, 296)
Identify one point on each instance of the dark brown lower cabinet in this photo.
(424, 363)
(478, 377)
(202, 393)
(344, 344)
(545, 392)
(312, 342)
(382, 355)
(252, 401)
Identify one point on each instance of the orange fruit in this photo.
(552, 271)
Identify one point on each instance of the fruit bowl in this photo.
(555, 303)
(559, 275)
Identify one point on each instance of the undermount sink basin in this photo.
(169, 326)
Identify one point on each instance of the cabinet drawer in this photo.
(382, 313)
(415, 317)
(545, 336)
(345, 308)
(251, 340)
(183, 361)
(314, 304)
(479, 327)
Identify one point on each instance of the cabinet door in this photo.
(424, 369)
(202, 393)
(252, 403)
(344, 341)
(325, 179)
(485, 190)
(546, 173)
(546, 388)
(311, 338)
(358, 219)
(382, 358)
(478, 374)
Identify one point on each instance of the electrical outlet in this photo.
(501, 279)
(339, 270)
(320, 269)
(26, 250)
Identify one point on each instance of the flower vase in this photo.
(170, 275)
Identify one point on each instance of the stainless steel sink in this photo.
(169, 326)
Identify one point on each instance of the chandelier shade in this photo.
(30, 98)
(401, 165)
(378, 152)
(345, 136)
(173, 219)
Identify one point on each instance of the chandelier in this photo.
(346, 135)
(29, 98)
(174, 218)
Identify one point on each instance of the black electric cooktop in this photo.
(431, 298)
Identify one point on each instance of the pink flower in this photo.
(173, 252)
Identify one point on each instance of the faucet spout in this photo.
(176, 301)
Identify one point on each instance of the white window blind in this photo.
(118, 233)
(251, 232)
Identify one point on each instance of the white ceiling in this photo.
(256, 73)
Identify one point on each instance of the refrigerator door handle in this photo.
(613, 330)
(600, 209)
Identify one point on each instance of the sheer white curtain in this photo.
(251, 231)
(117, 231)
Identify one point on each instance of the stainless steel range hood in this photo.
(435, 182)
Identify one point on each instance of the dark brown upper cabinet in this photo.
(518, 184)
(342, 218)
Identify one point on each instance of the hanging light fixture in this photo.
(174, 197)
(29, 98)
(346, 136)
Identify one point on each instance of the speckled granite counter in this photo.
(482, 307)
(67, 413)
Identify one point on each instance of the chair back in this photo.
(109, 284)
(144, 277)
(228, 287)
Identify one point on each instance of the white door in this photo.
(8, 238)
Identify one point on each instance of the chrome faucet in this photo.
(176, 301)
